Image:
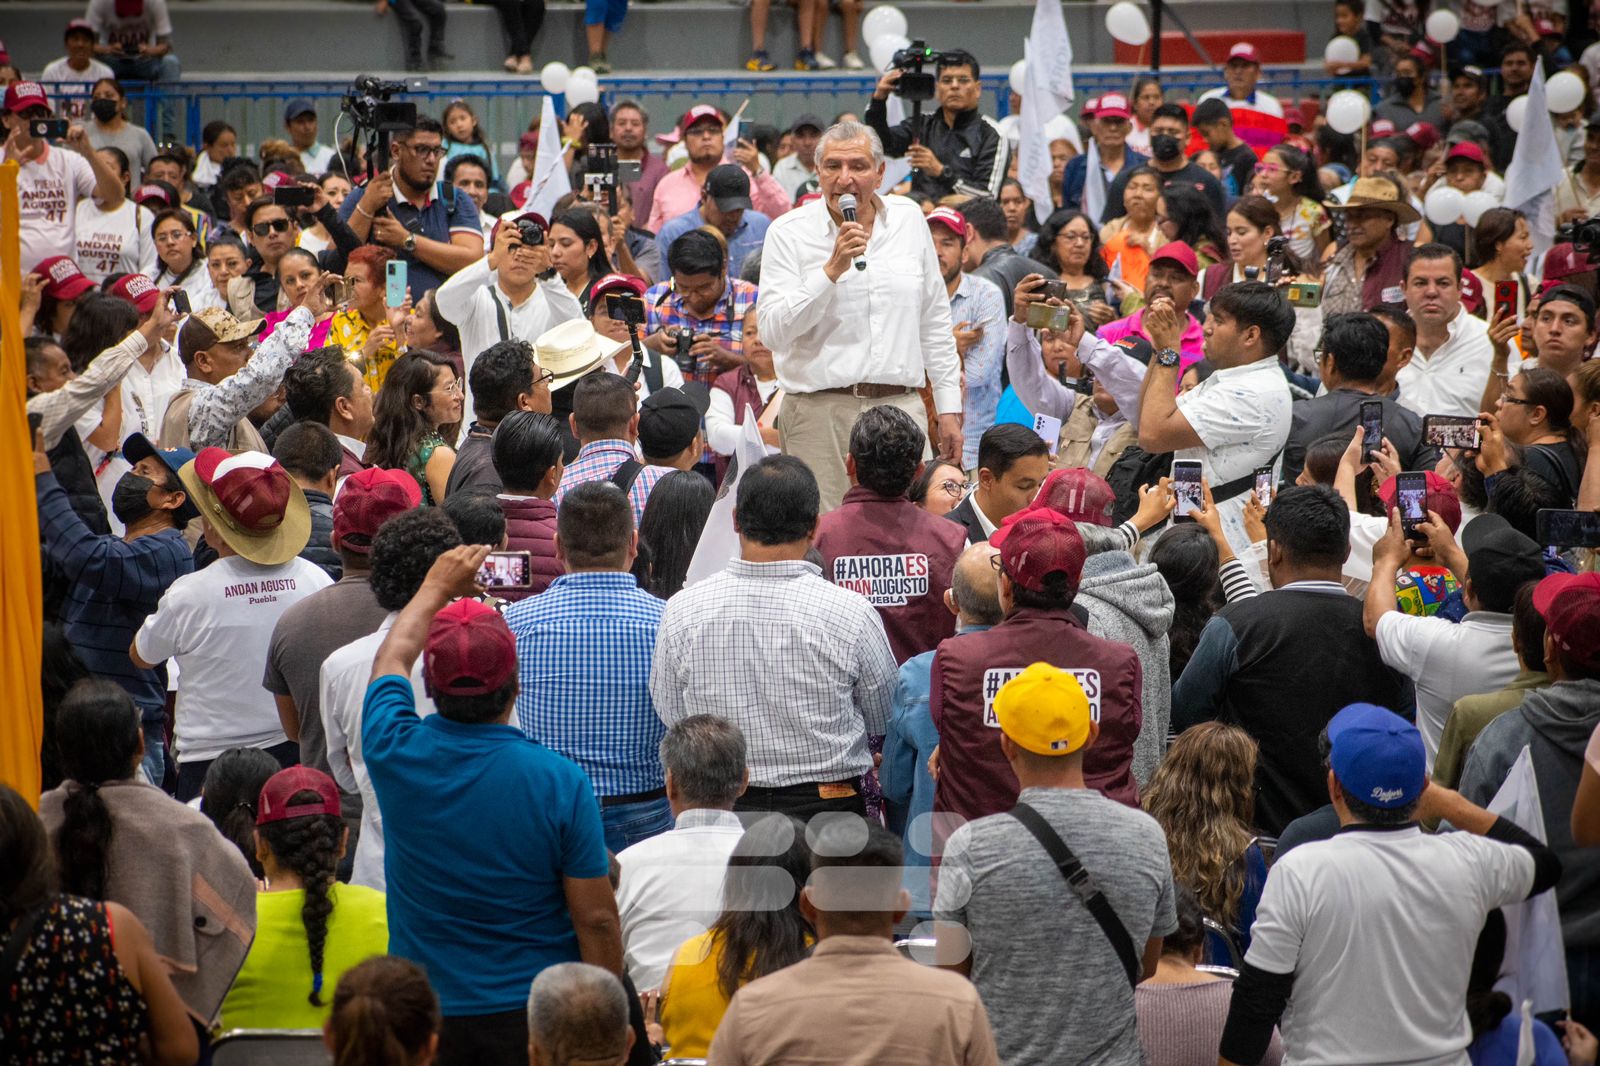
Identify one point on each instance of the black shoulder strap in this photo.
(626, 474)
(500, 315)
(18, 942)
(1083, 887)
(652, 370)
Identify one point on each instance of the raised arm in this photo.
(453, 575)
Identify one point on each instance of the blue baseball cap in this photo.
(300, 105)
(1377, 756)
(138, 447)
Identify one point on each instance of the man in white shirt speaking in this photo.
(856, 312)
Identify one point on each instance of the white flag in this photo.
(894, 170)
(719, 543)
(1536, 169)
(1535, 965)
(1047, 92)
(1094, 186)
(550, 179)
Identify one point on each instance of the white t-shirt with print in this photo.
(49, 190)
(114, 242)
(217, 623)
(130, 31)
(69, 89)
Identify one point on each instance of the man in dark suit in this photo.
(1355, 368)
(1012, 463)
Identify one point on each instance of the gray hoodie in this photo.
(1130, 603)
(1555, 723)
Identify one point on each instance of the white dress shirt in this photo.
(722, 422)
(468, 297)
(1451, 380)
(343, 692)
(671, 889)
(886, 325)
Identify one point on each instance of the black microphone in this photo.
(847, 207)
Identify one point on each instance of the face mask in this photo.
(130, 498)
(104, 110)
(1405, 86)
(1165, 147)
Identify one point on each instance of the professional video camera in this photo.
(369, 106)
(916, 84)
(603, 172)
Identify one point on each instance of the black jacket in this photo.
(319, 547)
(973, 151)
(966, 512)
(1340, 411)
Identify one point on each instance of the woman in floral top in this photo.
(415, 420)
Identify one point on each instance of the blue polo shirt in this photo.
(434, 220)
(746, 239)
(480, 826)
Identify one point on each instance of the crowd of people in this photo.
(784, 614)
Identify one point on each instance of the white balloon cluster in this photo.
(884, 30)
(1445, 205)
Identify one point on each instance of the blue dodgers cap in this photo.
(1377, 756)
(138, 447)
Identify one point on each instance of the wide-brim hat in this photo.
(573, 349)
(256, 490)
(1381, 194)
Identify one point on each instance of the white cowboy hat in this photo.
(573, 349)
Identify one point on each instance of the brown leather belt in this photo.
(868, 391)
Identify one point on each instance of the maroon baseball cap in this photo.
(1570, 606)
(278, 179)
(1565, 260)
(277, 795)
(619, 283)
(154, 190)
(1091, 107)
(1466, 150)
(1244, 52)
(367, 499)
(1037, 542)
(1546, 28)
(1442, 498)
(79, 26)
(1180, 253)
(528, 142)
(949, 218)
(138, 290)
(21, 95)
(1381, 127)
(699, 112)
(1080, 494)
(1423, 134)
(252, 503)
(470, 652)
(62, 278)
(1113, 105)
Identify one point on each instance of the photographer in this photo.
(953, 150)
(499, 297)
(697, 318)
(51, 183)
(400, 208)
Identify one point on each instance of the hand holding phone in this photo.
(1186, 490)
(1263, 486)
(1371, 429)
(506, 570)
(1411, 500)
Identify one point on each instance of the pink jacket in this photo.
(678, 192)
(1191, 350)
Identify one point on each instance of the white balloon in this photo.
(1342, 50)
(1348, 111)
(554, 77)
(883, 49)
(1126, 22)
(1443, 26)
(1514, 112)
(883, 21)
(1444, 205)
(1563, 92)
(1474, 204)
(1019, 76)
(584, 74)
(582, 91)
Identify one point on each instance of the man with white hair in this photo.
(855, 311)
(578, 1014)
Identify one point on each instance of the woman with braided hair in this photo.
(309, 929)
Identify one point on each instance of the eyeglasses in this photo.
(543, 376)
(994, 561)
(1519, 401)
(1268, 168)
(952, 487)
(277, 225)
(452, 389)
(174, 237)
(426, 151)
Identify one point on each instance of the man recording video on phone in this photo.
(401, 208)
(838, 348)
(953, 150)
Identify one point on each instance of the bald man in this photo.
(974, 598)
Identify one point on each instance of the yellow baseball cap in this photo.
(1044, 710)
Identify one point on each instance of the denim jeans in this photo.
(156, 759)
(629, 823)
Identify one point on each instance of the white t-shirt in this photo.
(1447, 660)
(69, 89)
(129, 31)
(1378, 928)
(217, 623)
(318, 159)
(48, 192)
(115, 242)
(342, 692)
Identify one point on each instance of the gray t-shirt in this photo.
(1053, 985)
(134, 141)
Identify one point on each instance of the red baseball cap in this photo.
(528, 142)
(1113, 105)
(1570, 606)
(1424, 52)
(520, 191)
(1080, 494)
(616, 283)
(1180, 253)
(80, 26)
(470, 652)
(1466, 150)
(1546, 28)
(62, 278)
(21, 95)
(1091, 107)
(951, 219)
(251, 502)
(154, 190)
(1424, 134)
(277, 795)
(1563, 261)
(1244, 52)
(1442, 499)
(1382, 127)
(138, 290)
(698, 112)
(277, 180)
(1037, 542)
(367, 499)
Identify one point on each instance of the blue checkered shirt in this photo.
(598, 460)
(584, 648)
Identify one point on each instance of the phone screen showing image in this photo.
(1451, 431)
(1371, 430)
(1264, 486)
(505, 570)
(1186, 488)
(1411, 498)
(1568, 529)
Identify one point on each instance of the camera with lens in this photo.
(1583, 234)
(916, 83)
(370, 107)
(603, 172)
(529, 232)
(684, 354)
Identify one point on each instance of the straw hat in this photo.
(1379, 194)
(573, 349)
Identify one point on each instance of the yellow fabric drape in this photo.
(21, 587)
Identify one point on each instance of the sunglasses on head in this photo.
(277, 225)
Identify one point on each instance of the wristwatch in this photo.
(410, 243)
(1167, 357)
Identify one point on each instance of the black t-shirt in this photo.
(1557, 464)
(1191, 173)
